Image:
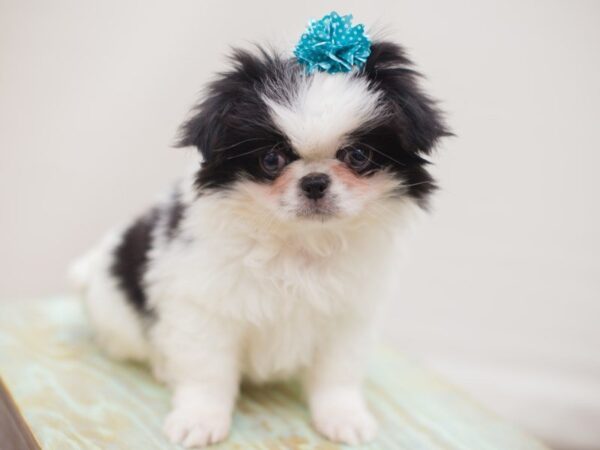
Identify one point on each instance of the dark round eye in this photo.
(356, 158)
(272, 162)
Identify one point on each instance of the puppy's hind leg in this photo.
(118, 327)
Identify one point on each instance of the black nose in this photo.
(315, 184)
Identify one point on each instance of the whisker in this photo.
(382, 154)
(252, 151)
(417, 184)
(237, 143)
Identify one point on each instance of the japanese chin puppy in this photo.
(273, 257)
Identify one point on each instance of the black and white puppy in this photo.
(272, 258)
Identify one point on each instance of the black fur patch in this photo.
(415, 119)
(388, 153)
(231, 127)
(414, 126)
(131, 258)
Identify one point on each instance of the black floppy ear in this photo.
(414, 112)
(220, 115)
(204, 129)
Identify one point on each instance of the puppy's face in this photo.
(316, 147)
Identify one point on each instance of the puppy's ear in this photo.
(227, 103)
(414, 113)
(204, 129)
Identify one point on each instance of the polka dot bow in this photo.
(333, 45)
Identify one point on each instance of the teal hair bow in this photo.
(333, 45)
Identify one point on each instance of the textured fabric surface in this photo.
(74, 397)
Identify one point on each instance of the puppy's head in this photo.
(319, 146)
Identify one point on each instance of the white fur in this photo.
(239, 297)
(324, 109)
(248, 290)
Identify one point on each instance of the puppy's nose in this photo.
(315, 184)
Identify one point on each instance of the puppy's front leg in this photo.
(200, 363)
(333, 385)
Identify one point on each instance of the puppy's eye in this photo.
(272, 162)
(356, 158)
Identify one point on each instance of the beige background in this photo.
(502, 289)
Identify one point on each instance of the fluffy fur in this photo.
(273, 257)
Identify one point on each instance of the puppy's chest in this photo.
(297, 271)
(278, 350)
(261, 284)
(299, 300)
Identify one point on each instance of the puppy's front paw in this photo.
(351, 425)
(341, 415)
(196, 429)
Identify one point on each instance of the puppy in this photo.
(271, 259)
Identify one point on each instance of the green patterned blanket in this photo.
(73, 397)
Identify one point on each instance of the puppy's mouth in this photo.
(321, 209)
